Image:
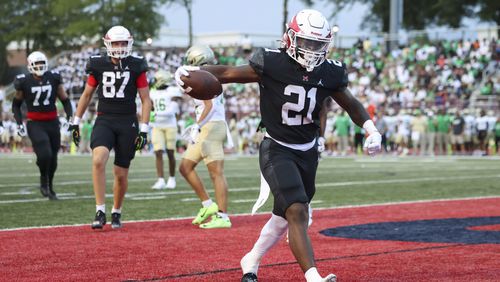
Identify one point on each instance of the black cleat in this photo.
(45, 191)
(52, 195)
(99, 221)
(115, 220)
(249, 277)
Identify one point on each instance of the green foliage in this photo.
(424, 13)
(55, 25)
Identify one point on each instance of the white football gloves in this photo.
(321, 144)
(191, 132)
(373, 143)
(21, 130)
(184, 71)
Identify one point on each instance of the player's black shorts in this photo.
(45, 136)
(116, 132)
(290, 174)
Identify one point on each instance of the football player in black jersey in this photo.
(39, 90)
(117, 77)
(294, 81)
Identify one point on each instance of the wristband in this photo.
(76, 120)
(143, 127)
(370, 127)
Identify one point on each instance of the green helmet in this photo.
(200, 55)
(162, 79)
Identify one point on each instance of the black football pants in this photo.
(46, 140)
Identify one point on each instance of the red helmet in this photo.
(308, 38)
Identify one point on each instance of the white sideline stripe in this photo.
(264, 213)
(371, 165)
(190, 200)
(254, 188)
(244, 201)
(148, 198)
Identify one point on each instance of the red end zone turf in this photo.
(174, 250)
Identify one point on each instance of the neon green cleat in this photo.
(217, 222)
(205, 213)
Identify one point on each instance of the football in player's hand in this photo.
(204, 85)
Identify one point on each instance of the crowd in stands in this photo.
(419, 96)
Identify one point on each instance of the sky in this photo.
(261, 16)
(264, 17)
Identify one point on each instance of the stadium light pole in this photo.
(396, 18)
(335, 30)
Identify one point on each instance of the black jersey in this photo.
(291, 97)
(39, 94)
(117, 84)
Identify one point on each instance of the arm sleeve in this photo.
(257, 61)
(68, 109)
(16, 109)
(141, 81)
(92, 81)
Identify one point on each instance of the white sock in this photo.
(312, 275)
(223, 215)
(116, 210)
(161, 179)
(207, 203)
(171, 178)
(100, 208)
(270, 234)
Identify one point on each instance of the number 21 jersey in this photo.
(291, 97)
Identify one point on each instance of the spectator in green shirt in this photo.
(497, 135)
(341, 128)
(431, 133)
(443, 129)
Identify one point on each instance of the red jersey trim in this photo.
(42, 116)
(142, 81)
(92, 81)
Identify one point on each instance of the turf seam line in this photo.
(294, 262)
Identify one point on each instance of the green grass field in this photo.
(340, 182)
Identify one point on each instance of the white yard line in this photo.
(255, 188)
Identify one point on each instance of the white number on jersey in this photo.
(298, 119)
(38, 91)
(108, 83)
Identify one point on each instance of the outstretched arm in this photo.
(360, 117)
(352, 106)
(228, 74)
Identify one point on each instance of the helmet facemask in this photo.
(308, 38)
(37, 63)
(38, 68)
(118, 52)
(309, 52)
